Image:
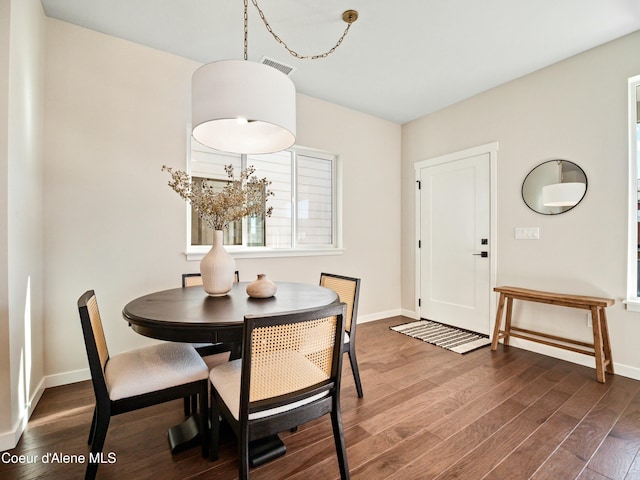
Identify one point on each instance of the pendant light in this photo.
(247, 107)
(243, 107)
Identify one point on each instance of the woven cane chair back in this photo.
(290, 357)
(347, 290)
(191, 279)
(98, 331)
(194, 279)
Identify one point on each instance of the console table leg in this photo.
(507, 320)
(605, 340)
(598, 344)
(496, 328)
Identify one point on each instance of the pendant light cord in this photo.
(349, 17)
(246, 29)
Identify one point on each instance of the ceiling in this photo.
(399, 61)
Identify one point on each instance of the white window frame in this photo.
(196, 252)
(633, 301)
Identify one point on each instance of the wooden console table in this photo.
(600, 348)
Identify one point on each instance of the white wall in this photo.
(6, 421)
(21, 250)
(115, 113)
(574, 110)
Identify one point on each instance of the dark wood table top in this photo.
(190, 315)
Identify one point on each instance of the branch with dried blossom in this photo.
(243, 196)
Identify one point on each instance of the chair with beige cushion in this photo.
(137, 378)
(348, 289)
(289, 374)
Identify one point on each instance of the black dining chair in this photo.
(138, 378)
(289, 374)
(348, 289)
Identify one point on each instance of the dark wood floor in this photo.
(427, 413)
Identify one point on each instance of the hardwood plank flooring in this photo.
(427, 413)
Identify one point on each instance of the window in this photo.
(637, 197)
(305, 209)
(633, 276)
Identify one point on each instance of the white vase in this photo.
(217, 268)
(262, 287)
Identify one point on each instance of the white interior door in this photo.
(455, 226)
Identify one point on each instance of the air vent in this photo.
(284, 68)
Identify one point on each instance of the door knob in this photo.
(482, 254)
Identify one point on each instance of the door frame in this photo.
(492, 150)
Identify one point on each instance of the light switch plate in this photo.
(527, 233)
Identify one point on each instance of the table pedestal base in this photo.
(266, 449)
(185, 435)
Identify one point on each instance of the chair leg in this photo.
(243, 452)
(354, 369)
(194, 403)
(338, 436)
(190, 405)
(204, 418)
(214, 415)
(93, 426)
(236, 351)
(99, 435)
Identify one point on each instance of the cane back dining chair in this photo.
(348, 289)
(194, 279)
(289, 374)
(138, 378)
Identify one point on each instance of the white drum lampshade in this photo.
(563, 194)
(243, 107)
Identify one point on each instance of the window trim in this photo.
(196, 252)
(633, 300)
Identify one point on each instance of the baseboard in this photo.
(411, 314)
(66, 378)
(626, 371)
(9, 440)
(378, 316)
(573, 357)
(35, 398)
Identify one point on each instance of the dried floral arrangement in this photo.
(243, 196)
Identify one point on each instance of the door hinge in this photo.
(419, 243)
(419, 184)
(419, 302)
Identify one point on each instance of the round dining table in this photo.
(190, 315)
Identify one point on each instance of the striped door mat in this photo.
(454, 339)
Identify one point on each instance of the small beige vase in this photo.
(262, 287)
(217, 268)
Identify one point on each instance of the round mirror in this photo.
(554, 187)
